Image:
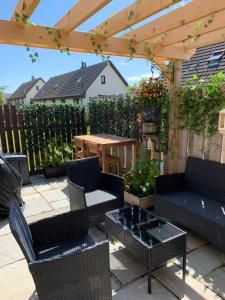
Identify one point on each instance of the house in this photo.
(102, 79)
(206, 61)
(26, 91)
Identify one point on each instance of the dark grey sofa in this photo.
(195, 199)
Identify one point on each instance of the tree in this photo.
(2, 95)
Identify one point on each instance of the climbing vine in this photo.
(201, 101)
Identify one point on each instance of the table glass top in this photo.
(144, 225)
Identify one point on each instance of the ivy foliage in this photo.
(115, 115)
(201, 101)
(42, 124)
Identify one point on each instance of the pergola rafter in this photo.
(131, 15)
(79, 13)
(171, 36)
(24, 9)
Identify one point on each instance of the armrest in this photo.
(60, 228)
(113, 183)
(169, 183)
(76, 196)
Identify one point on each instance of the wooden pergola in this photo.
(173, 36)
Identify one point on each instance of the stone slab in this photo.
(16, 282)
(194, 241)
(9, 250)
(27, 190)
(59, 204)
(36, 206)
(216, 281)
(191, 289)
(4, 227)
(138, 290)
(125, 267)
(55, 194)
(202, 261)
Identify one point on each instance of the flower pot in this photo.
(151, 114)
(144, 202)
(149, 128)
(51, 172)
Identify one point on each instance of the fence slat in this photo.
(14, 122)
(2, 130)
(8, 127)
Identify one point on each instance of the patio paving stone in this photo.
(16, 282)
(60, 203)
(43, 187)
(194, 241)
(8, 256)
(191, 289)
(215, 281)
(125, 267)
(4, 227)
(55, 194)
(57, 183)
(204, 260)
(26, 190)
(115, 286)
(138, 290)
(36, 206)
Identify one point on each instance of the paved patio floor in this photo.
(205, 264)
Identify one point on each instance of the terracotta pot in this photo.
(51, 172)
(144, 202)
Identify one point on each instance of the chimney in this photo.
(83, 64)
(32, 77)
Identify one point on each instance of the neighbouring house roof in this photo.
(198, 64)
(73, 84)
(24, 88)
(7, 95)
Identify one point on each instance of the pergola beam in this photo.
(24, 10)
(38, 36)
(181, 16)
(79, 13)
(131, 15)
(193, 30)
(204, 39)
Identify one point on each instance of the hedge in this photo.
(114, 115)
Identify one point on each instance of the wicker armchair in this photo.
(92, 189)
(63, 259)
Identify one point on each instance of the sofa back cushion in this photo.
(85, 172)
(206, 178)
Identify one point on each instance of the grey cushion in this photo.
(99, 196)
(200, 205)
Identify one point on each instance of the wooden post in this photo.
(173, 155)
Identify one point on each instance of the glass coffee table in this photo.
(150, 238)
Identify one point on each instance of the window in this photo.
(215, 59)
(37, 88)
(103, 79)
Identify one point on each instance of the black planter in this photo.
(151, 114)
(51, 172)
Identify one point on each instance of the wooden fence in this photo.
(195, 145)
(18, 134)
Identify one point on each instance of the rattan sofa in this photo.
(96, 191)
(195, 199)
(65, 262)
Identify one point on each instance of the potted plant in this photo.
(139, 181)
(55, 157)
(151, 94)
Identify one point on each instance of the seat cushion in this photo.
(66, 248)
(99, 196)
(210, 209)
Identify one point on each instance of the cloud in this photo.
(136, 78)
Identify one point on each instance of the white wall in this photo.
(113, 85)
(32, 92)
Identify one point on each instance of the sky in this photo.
(16, 66)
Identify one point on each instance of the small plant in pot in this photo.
(151, 93)
(139, 181)
(55, 157)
